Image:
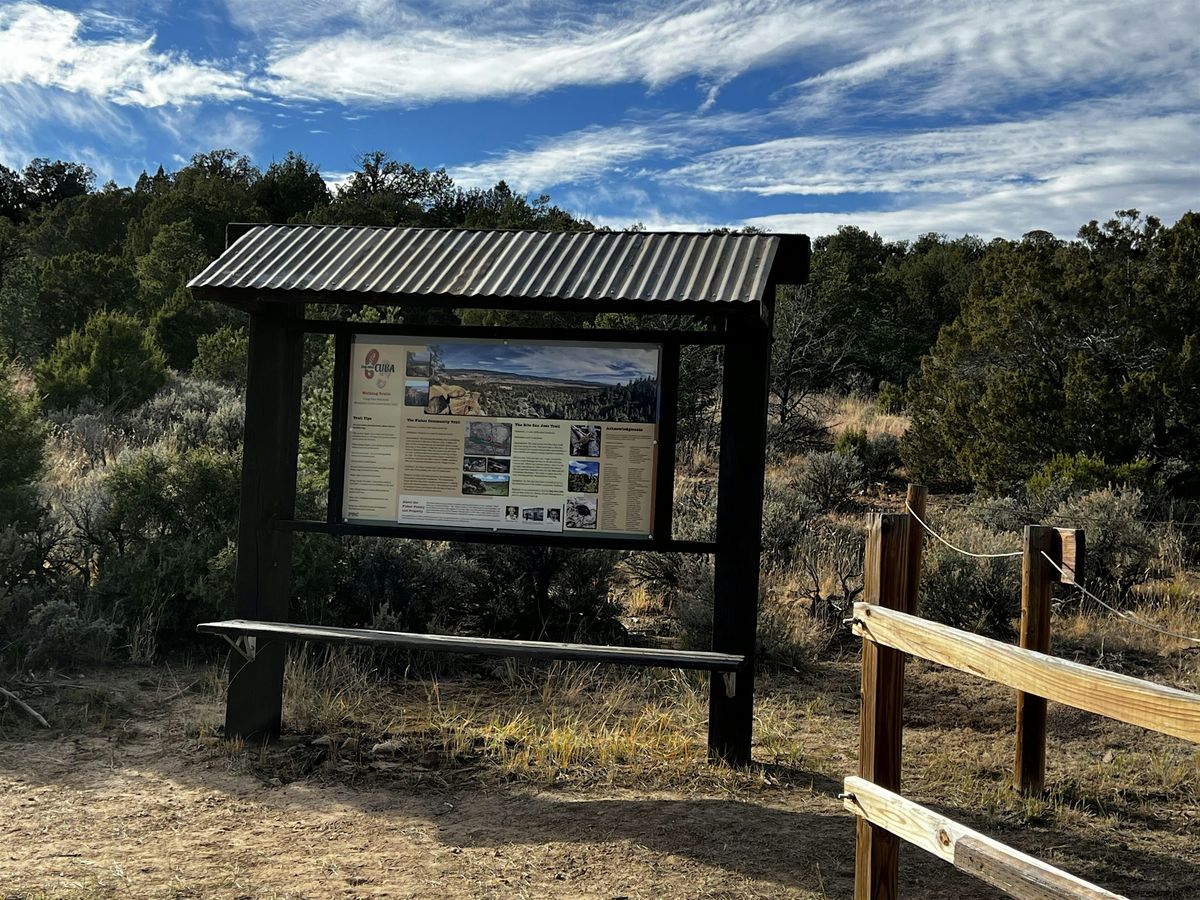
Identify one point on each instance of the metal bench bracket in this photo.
(246, 645)
(730, 683)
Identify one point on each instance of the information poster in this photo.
(499, 435)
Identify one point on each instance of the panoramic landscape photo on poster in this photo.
(598, 382)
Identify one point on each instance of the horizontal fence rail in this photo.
(891, 633)
(1122, 697)
(1014, 872)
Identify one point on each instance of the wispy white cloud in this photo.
(958, 160)
(968, 57)
(25, 107)
(991, 118)
(1060, 205)
(430, 60)
(45, 47)
(574, 158)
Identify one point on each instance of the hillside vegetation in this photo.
(1057, 377)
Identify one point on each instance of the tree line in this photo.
(1023, 364)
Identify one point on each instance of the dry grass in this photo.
(1093, 635)
(861, 413)
(582, 724)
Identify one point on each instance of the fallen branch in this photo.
(25, 706)
(179, 693)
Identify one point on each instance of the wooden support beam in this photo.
(1037, 580)
(885, 584)
(741, 472)
(335, 507)
(1163, 709)
(1015, 873)
(668, 432)
(262, 583)
(915, 500)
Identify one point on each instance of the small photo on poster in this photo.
(475, 464)
(488, 439)
(583, 476)
(534, 514)
(512, 513)
(416, 364)
(416, 393)
(498, 465)
(581, 512)
(485, 485)
(554, 515)
(585, 440)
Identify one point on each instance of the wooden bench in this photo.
(243, 634)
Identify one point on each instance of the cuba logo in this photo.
(373, 366)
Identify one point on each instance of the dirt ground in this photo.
(139, 802)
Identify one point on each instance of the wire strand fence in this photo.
(1122, 614)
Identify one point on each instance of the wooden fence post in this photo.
(885, 583)
(1037, 579)
(915, 501)
(1066, 549)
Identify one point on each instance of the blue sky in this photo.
(903, 117)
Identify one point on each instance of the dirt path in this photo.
(134, 820)
(137, 809)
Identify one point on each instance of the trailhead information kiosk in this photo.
(514, 435)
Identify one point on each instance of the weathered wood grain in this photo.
(1012, 871)
(880, 733)
(1037, 581)
(1154, 706)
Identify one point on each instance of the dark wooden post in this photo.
(264, 560)
(915, 501)
(1037, 578)
(880, 735)
(739, 529)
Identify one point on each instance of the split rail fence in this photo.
(891, 631)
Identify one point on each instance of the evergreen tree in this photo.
(114, 362)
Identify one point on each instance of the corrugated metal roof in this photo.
(464, 264)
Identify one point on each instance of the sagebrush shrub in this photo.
(980, 595)
(879, 455)
(778, 637)
(61, 634)
(98, 435)
(165, 519)
(788, 514)
(831, 479)
(1122, 550)
(182, 412)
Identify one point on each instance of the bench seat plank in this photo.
(449, 643)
